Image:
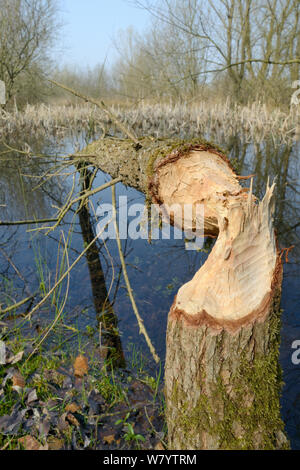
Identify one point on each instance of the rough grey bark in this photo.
(121, 157)
(222, 389)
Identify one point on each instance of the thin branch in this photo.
(235, 64)
(25, 222)
(29, 153)
(83, 196)
(67, 272)
(16, 305)
(129, 289)
(100, 104)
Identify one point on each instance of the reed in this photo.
(255, 121)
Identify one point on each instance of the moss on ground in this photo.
(82, 410)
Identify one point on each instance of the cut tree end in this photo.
(235, 285)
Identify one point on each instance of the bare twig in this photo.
(100, 104)
(129, 289)
(16, 305)
(67, 272)
(28, 152)
(86, 194)
(27, 222)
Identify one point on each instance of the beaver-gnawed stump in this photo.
(222, 375)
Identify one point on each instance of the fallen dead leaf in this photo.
(72, 420)
(54, 443)
(18, 381)
(109, 439)
(72, 407)
(29, 443)
(45, 447)
(16, 358)
(87, 442)
(62, 423)
(32, 397)
(80, 366)
(159, 446)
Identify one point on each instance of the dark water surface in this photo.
(29, 259)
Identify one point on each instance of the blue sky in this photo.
(91, 25)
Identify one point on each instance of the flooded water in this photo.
(30, 265)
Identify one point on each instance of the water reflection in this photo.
(266, 160)
(107, 319)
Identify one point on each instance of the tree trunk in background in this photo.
(222, 375)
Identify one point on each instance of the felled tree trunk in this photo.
(222, 376)
(120, 157)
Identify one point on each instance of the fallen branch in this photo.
(27, 222)
(29, 314)
(100, 104)
(83, 196)
(129, 289)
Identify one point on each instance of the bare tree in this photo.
(28, 31)
(248, 45)
(92, 81)
(162, 61)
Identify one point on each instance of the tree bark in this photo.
(222, 375)
(124, 158)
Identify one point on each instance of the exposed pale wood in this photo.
(236, 279)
